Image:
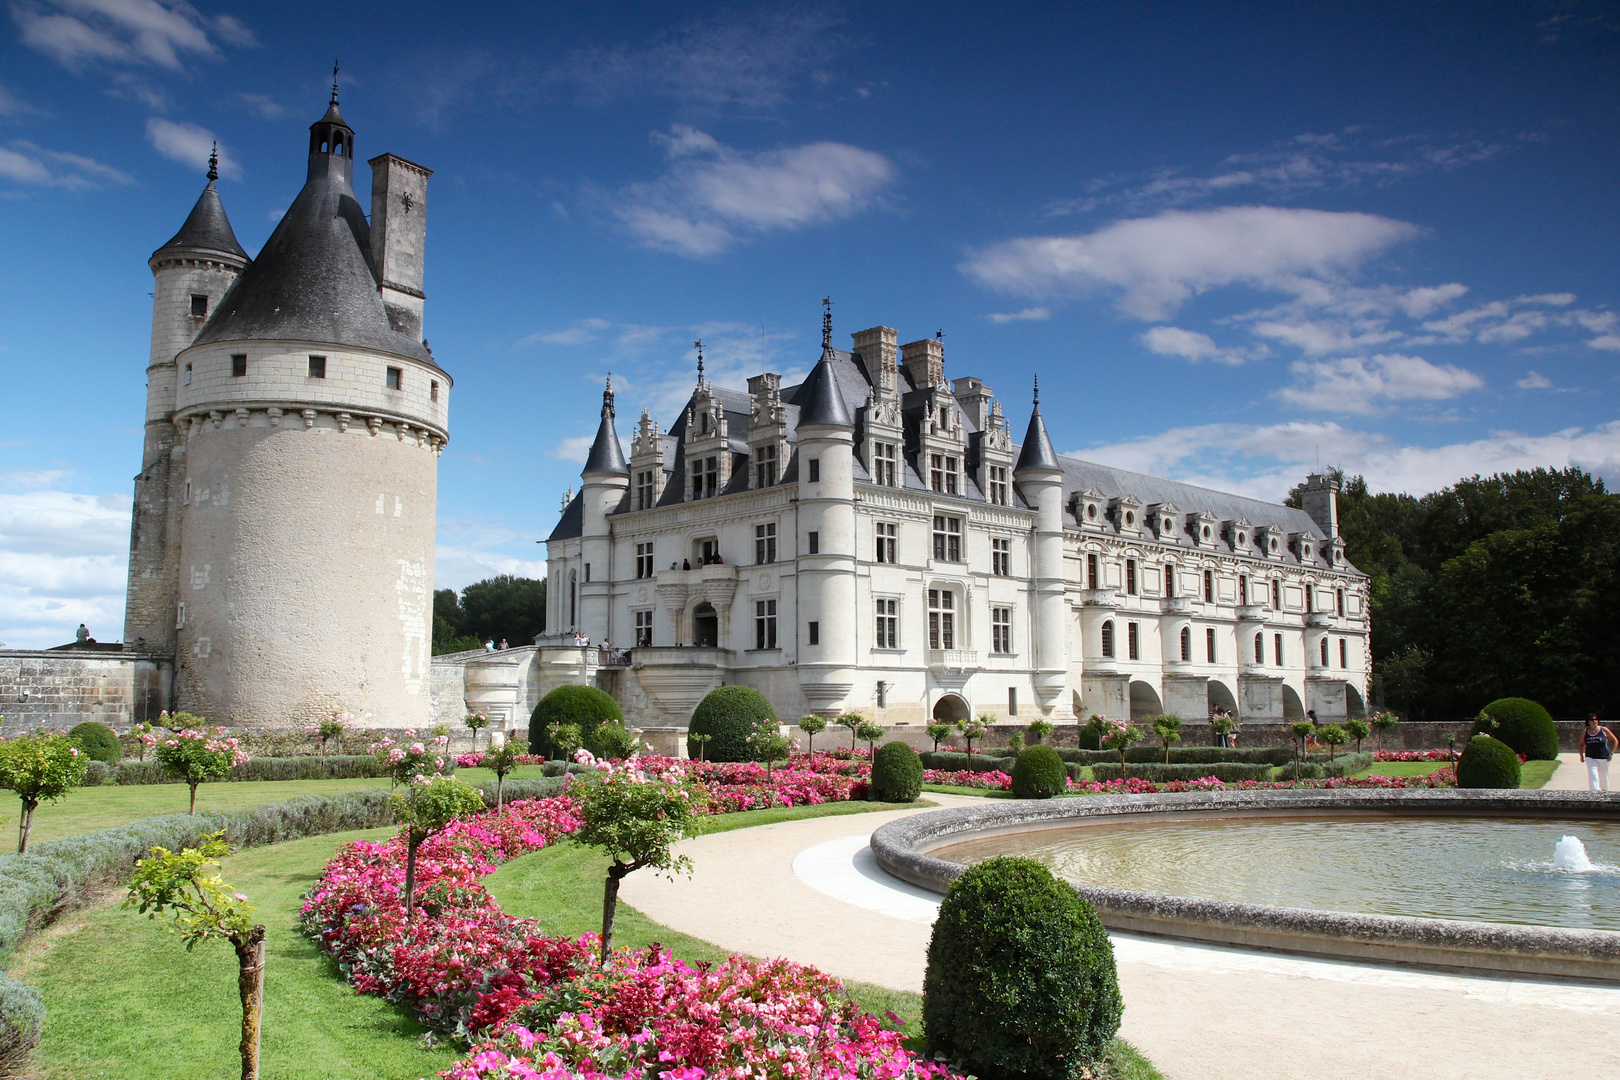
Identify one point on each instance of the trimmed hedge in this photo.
(1229, 772)
(897, 773)
(1523, 725)
(1039, 773)
(337, 767)
(951, 761)
(1021, 979)
(584, 706)
(98, 742)
(1183, 755)
(1488, 763)
(729, 715)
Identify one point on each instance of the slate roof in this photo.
(606, 455)
(1036, 452)
(819, 398)
(206, 229)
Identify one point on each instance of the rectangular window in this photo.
(1344, 653)
(887, 540)
(644, 490)
(180, 616)
(812, 543)
(888, 623)
(433, 390)
(765, 624)
(1259, 648)
(950, 476)
(1186, 643)
(705, 478)
(317, 368)
(765, 543)
(1209, 586)
(947, 538)
(941, 619)
(885, 464)
(1130, 577)
(1310, 599)
(1338, 595)
(186, 380)
(1324, 652)
(936, 472)
(199, 306)
(1209, 645)
(1001, 558)
(238, 365)
(644, 633)
(644, 560)
(1132, 649)
(1091, 571)
(395, 379)
(814, 468)
(1276, 650)
(1243, 589)
(765, 467)
(999, 490)
(1276, 594)
(1001, 630)
(1012, 701)
(587, 572)
(814, 630)
(1169, 579)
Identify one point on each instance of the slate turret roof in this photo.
(1036, 452)
(819, 399)
(206, 229)
(606, 455)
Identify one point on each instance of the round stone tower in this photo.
(826, 455)
(309, 416)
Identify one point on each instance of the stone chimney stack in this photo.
(1319, 498)
(925, 362)
(878, 352)
(399, 238)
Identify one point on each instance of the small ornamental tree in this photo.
(476, 722)
(770, 746)
(939, 732)
(700, 741)
(40, 768)
(1092, 732)
(869, 733)
(1168, 729)
(1335, 736)
(1221, 726)
(853, 721)
(1303, 730)
(812, 726)
(970, 729)
(897, 773)
(1357, 729)
(202, 908)
(409, 757)
(425, 807)
(142, 739)
(1039, 730)
(502, 759)
(332, 726)
(636, 822)
(1382, 722)
(195, 756)
(1119, 735)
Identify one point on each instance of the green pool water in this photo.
(1495, 870)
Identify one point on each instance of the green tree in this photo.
(1357, 729)
(424, 807)
(195, 757)
(869, 733)
(769, 745)
(200, 907)
(449, 635)
(1335, 736)
(1039, 730)
(812, 726)
(40, 768)
(476, 722)
(505, 606)
(332, 726)
(939, 732)
(1381, 722)
(971, 729)
(636, 823)
(1303, 730)
(1119, 735)
(853, 722)
(502, 759)
(1168, 729)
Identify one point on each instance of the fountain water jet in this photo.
(1569, 855)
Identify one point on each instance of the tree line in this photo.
(1501, 586)
(497, 608)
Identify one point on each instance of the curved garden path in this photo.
(809, 891)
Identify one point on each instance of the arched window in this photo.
(1276, 594)
(1324, 651)
(1209, 586)
(1243, 589)
(1260, 648)
(1344, 658)
(1186, 643)
(573, 600)
(1310, 598)
(1169, 579)
(1339, 599)
(1108, 639)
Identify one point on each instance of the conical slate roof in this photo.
(1036, 453)
(206, 229)
(819, 399)
(606, 456)
(313, 280)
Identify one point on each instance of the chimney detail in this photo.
(1319, 497)
(878, 352)
(925, 362)
(398, 238)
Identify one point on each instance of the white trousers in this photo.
(1597, 774)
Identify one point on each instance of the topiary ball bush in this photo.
(585, 706)
(729, 714)
(1038, 773)
(897, 773)
(1488, 763)
(1021, 979)
(1523, 725)
(98, 742)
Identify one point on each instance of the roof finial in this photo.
(607, 397)
(826, 322)
(334, 81)
(213, 162)
(698, 345)
(1037, 391)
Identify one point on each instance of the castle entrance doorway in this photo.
(705, 625)
(951, 709)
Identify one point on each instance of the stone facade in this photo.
(884, 547)
(58, 688)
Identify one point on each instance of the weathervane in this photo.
(826, 322)
(698, 345)
(334, 81)
(1037, 390)
(607, 397)
(213, 162)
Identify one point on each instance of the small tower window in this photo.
(1186, 643)
(812, 543)
(317, 367)
(815, 633)
(199, 306)
(433, 390)
(395, 379)
(185, 380)
(815, 470)
(238, 365)
(1108, 639)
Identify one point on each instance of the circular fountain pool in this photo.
(1504, 870)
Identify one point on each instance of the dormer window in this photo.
(1167, 528)
(942, 473)
(705, 477)
(1091, 511)
(1242, 539)
(1130, 519)
(1204, 533)
(765, 466)
(705, 424)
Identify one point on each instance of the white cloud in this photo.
(63, 561)
(1162, 261)
(25, 163)
(1535, 380)
(1364, 385)
(1029, 314)
(263, 106)
(148, 32)
(713, 195)
(1265, 462)
(574, 449)
(581, 332)
(1610, 342)
(1190, 345)
(189, 145)
(11, 106)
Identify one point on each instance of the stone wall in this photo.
(57, 690)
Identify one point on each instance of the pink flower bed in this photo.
(994, 780)
(1412, 755)
(1131, 785)
(536, 1007)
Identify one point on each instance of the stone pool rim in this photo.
(1485, 948)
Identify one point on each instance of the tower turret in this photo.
(1039, 477)
(826, 567)
(606, 478)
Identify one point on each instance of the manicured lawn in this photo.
(953, 789)
(125, 1000)
(1403, 768)
(1535, 774)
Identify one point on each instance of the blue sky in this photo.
(1232, 240)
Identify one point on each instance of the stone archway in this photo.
(1144, 701)
(1354, 703)
(1293, 708)
(705, 625)
(1220, 697)
(951, 709)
